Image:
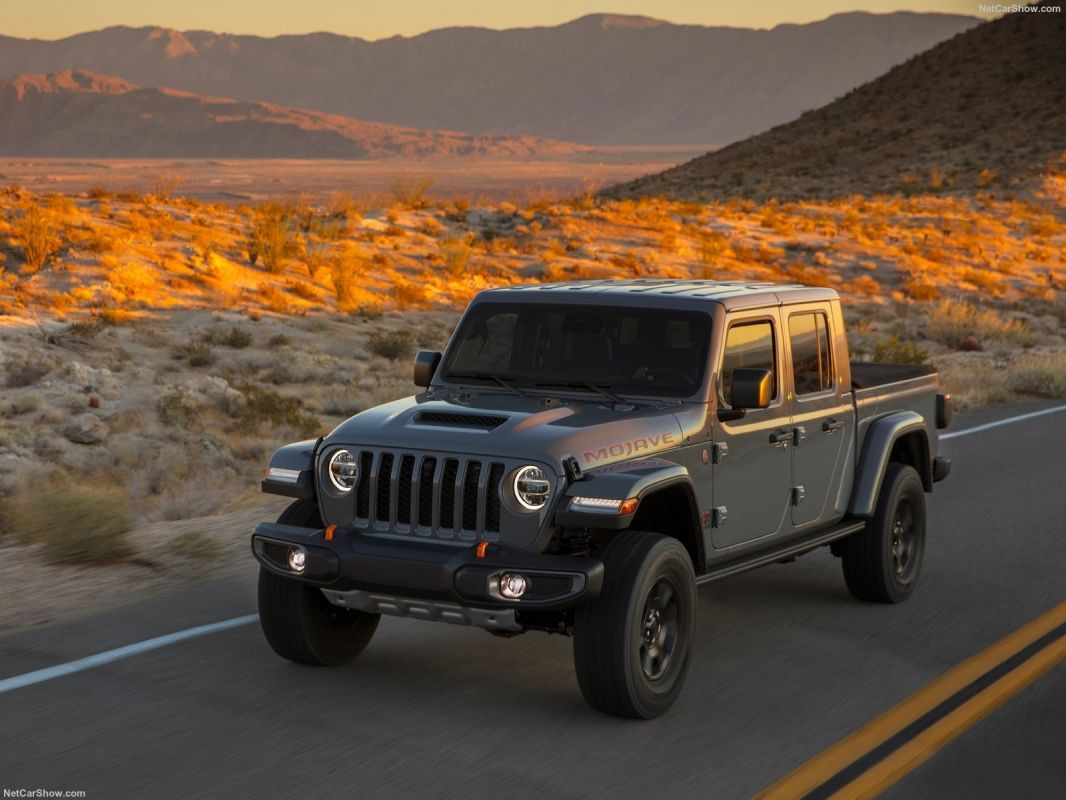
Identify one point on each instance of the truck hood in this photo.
(495, 424)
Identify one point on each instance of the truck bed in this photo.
(867, 375)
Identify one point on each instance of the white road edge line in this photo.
(999, 422)
(108, 656)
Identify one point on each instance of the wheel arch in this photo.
(902, 438)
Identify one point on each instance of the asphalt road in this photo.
(786, 664)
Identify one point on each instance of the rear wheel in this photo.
(882, 564)
(297, 620)
(632, 644)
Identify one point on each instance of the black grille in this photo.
(403, 492)
(384, 476)
(447, 498)
(362, 493)
(429, 495)
(425, 492)
(541, 586)
(492, 502)
(486, 421)
(470, 492)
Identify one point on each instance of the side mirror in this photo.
(426, 363)
(751, 388)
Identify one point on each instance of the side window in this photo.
(748, 345)
(812, 362)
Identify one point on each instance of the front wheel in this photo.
(632, 644)
(882, 563)
(299, 623)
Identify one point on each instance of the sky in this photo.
(378, 19)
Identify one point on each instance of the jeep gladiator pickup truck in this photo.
(583, 456)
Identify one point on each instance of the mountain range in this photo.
(81, 113)
(984, 110)
(601, 79)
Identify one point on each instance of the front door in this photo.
(822, 414)
(752, 454)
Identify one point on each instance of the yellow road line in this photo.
(911, 755)
(831, 761)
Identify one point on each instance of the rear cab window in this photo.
(812, 356)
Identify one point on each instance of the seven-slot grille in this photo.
(429, 495)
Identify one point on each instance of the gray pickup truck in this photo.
(583, 456)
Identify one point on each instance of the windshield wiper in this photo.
(488, 376)
(592, 387)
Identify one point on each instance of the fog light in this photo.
(297, 559)
(512, 586)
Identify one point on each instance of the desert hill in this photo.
(80, 113)
(984, 109)
(600, 79)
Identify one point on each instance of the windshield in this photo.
(650, 352)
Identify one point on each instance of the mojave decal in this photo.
(628, 448)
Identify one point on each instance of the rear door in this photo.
(822, 413)
(753, 463)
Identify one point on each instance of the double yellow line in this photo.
(880, 753)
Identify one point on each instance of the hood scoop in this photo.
(485, 422)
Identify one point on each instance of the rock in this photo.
(86, 428)
(971, 343)
(94, 401)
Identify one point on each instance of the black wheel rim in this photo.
(904, 542)
(659, 630)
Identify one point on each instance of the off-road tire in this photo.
(297, 620)
(882, 563)
(614, 652)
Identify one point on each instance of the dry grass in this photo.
(73, 524)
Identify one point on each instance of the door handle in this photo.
(831, 425)
(781, 438)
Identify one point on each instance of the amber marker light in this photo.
(328, 535)
(628, 506)
(482, 549)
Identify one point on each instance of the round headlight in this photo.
(343, 470)
(532, 488)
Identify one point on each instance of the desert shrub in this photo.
(301, 289)
(132, 281)
(410, 192)
(346, 272)
(1043, 377)
(176, 409)
(98, 193)
(259, 406)
(166, 184)
(195, 354)
(24, 373)
(36, 231)
(194, 544)
(952, 321)
(392, 345)
(407, 294)
(278, 340)
(73, 524)
(893, 350)
(234, 336)
(921, 289)
(274, 236)
(456, 254)
(273, 298)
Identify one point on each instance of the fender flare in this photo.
(877, 446)
(621, 481)
(291, 470)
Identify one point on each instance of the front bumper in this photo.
(354, 561)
